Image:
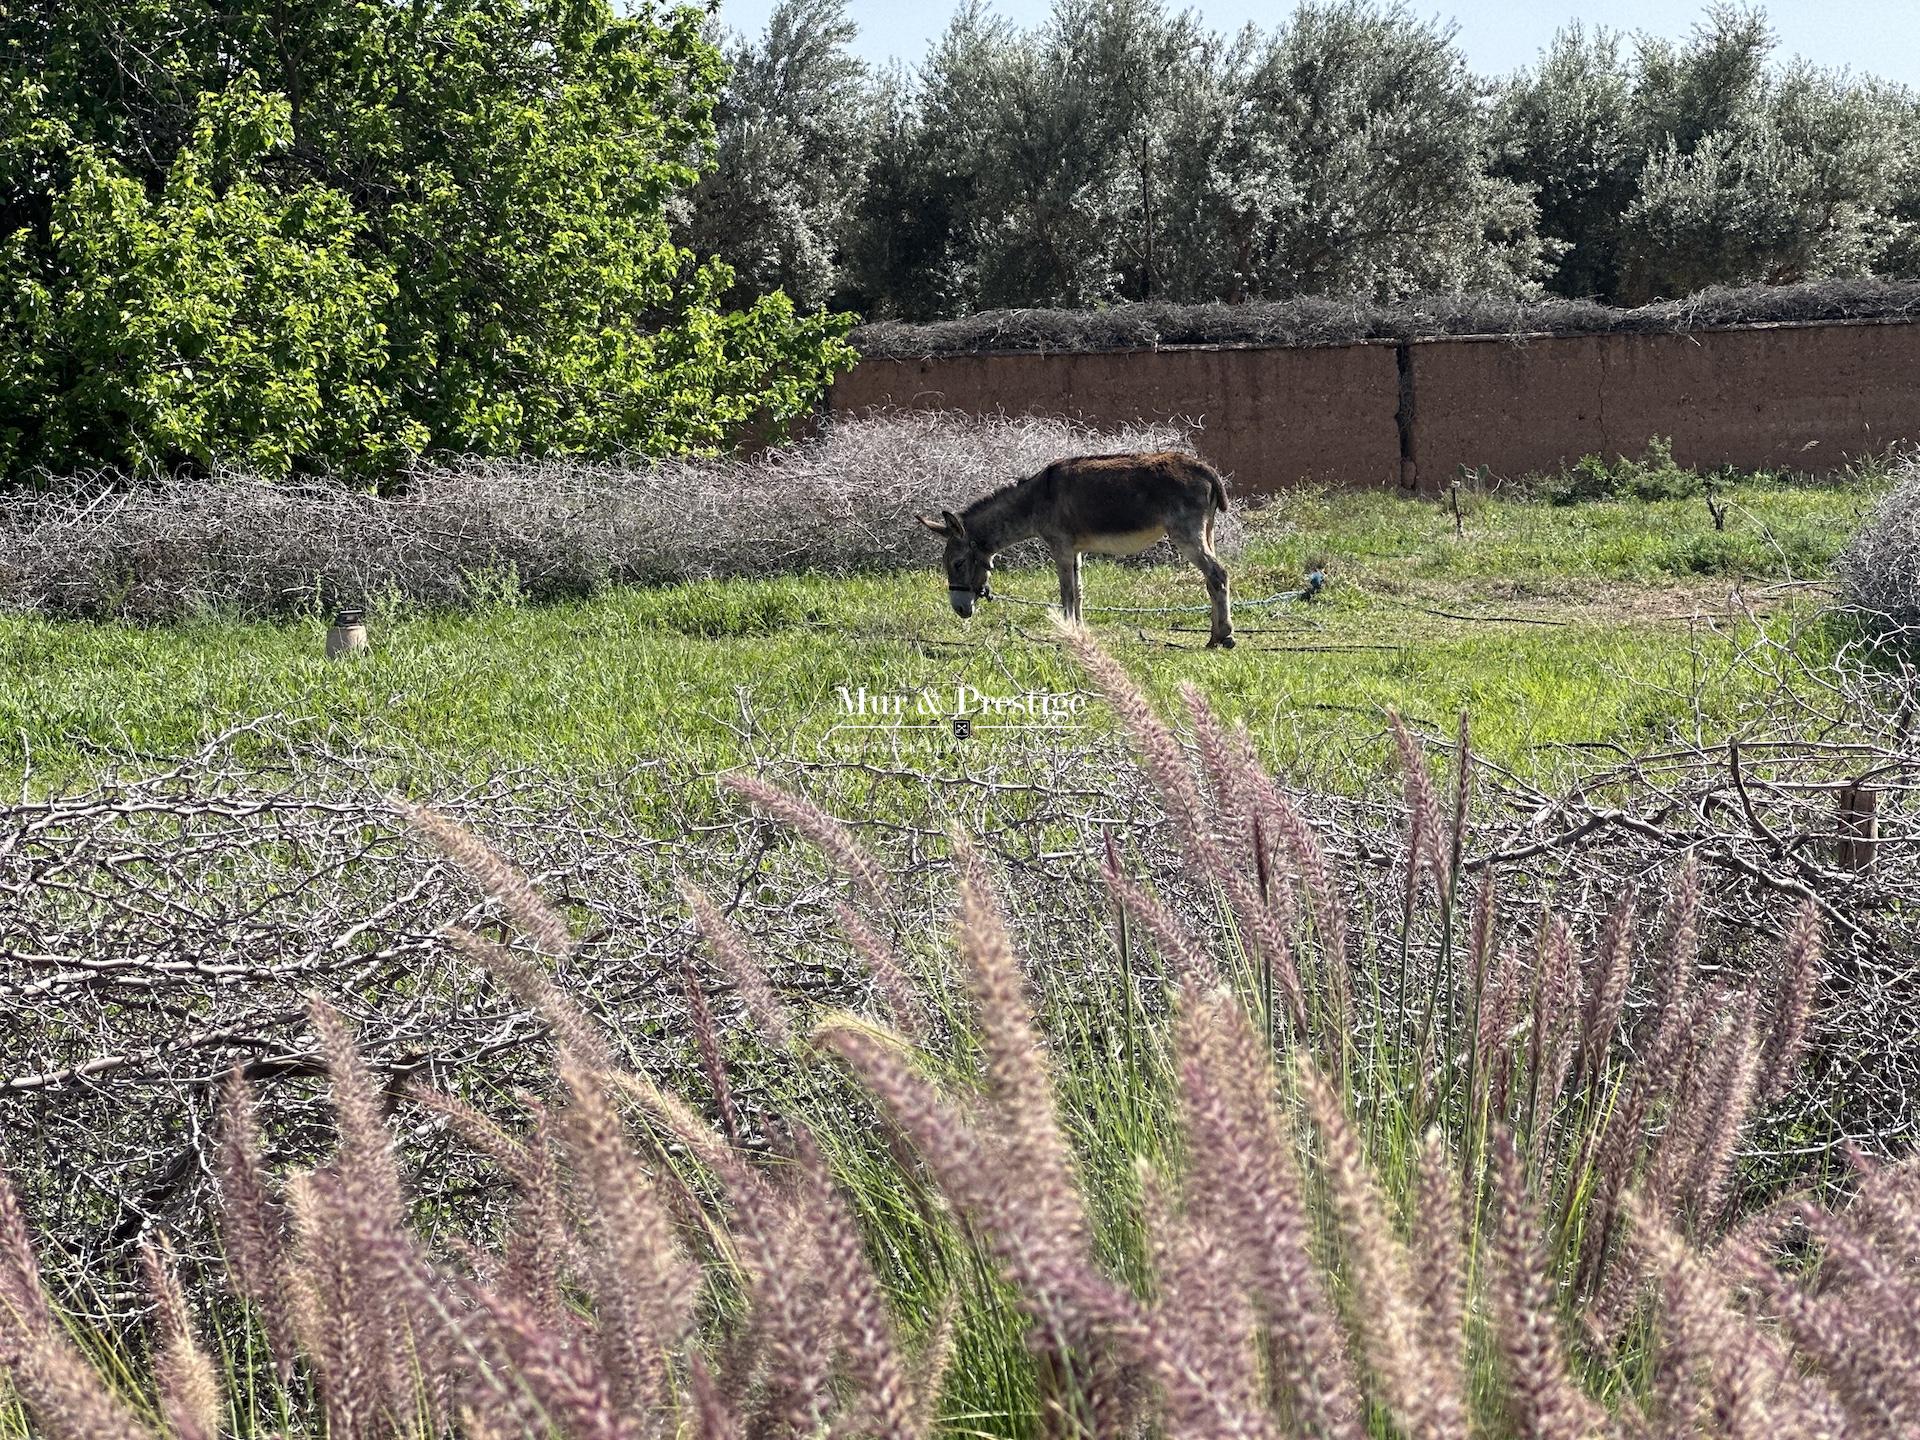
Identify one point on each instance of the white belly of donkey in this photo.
(1126, 542)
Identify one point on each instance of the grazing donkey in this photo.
(1106, 504)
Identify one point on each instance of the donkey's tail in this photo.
(1219, 488)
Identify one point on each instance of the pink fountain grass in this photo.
(1307, 1253)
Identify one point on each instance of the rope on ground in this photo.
(1316, 582)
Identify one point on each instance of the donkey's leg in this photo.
(1066, 560)
(1196, 549)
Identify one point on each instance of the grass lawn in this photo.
(1598, 622)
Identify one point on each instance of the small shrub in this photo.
(1654, 476)
(1879, 571)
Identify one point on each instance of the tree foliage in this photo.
(1706, 163)
(330, 234)
(1120, 150)
(795, 127)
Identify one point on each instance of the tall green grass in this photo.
(1557, 625)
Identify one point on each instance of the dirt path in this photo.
(1589, 601)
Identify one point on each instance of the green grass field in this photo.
(1595, 623)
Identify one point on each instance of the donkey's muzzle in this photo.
(962, 602)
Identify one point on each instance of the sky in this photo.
(1880, 37)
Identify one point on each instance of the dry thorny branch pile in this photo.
(163, 926)
(461, 534)
(1324, 320)
(1444, 1204)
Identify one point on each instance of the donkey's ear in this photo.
(954, 527)
(939, 527)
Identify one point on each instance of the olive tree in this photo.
(1705, 162)
(1566, 131)
(1374, 142)
(1122, 152)
(796, 126)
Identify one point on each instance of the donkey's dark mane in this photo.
(998, 506)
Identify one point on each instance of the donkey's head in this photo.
(967, 564)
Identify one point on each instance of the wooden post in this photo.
(1858, 824)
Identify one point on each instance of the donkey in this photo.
(1104, 504)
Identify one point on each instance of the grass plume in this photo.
(1172, 1216)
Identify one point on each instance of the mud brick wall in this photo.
(1804, 397)
(1793, 397)
(1272, 419)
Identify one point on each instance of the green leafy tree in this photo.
(903, 255)
(915, 245)
(1567, 131)
(447, 220)
(1902, 254)
(1227, 193)
(1802, 191)
(1070, 203)
(217, 319)
(1378, 151)
(1750, 174)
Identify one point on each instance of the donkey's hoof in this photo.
(1220, 642)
